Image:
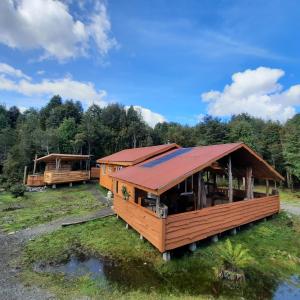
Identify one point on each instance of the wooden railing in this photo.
(188, 227)
(185, 228)
(52, 177)
(142, 220)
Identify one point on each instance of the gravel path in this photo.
(291, 208)
(11, 246)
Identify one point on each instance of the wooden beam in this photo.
(230, 186)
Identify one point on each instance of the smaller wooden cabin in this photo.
(128, 157)
(60, 168)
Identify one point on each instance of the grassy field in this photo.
(273, 245)
(41, 207)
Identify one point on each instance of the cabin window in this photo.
(103, 169)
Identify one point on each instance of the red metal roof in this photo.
(136, 155)
(166, 170)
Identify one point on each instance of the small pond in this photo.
(142, 276)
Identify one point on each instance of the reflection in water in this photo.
(140, 276)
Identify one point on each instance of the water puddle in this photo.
(144, 277)
(133, 275)
(289, 290)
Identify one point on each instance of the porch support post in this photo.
(267, 187)
(34, 165)
(215, 181)
(25, 175)
(249, 183)
(230, 191)
(56, 164)
(199, 190)
(157, 205)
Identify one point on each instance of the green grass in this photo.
(41, 207)
(285, 194)
(274, 246)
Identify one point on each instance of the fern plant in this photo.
(235, 257)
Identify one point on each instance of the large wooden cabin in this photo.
(60, 168)
(125, 158)
(188, 194)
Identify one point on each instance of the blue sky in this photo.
(174, 60)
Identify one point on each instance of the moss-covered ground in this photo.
(41, 207)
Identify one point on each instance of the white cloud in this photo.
(150, 117)
(14, 80)
(256, 92)
(9, 70)
(65, 87)
(49, 25)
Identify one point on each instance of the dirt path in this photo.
(291, 208)
(10, 248)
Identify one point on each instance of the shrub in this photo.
(18, 190)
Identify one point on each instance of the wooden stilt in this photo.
(214, 238)
(141, 237)
(233, 231)
(127, 226)
(230, 185)
(166, 256)
(70, 184)
(193, 247)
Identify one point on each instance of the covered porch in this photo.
(59, 168)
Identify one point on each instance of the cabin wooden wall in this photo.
(105, 179)
(185, 228)
(35, 180)
(142, 220)
(95, 172)
(51, 177)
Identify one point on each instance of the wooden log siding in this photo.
(51, 177)
(35, 180)
(189, 227)
(95, 172)
(142, 220)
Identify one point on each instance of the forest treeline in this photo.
(64, 127)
